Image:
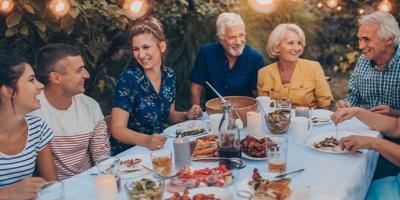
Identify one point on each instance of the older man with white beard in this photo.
(229, 65)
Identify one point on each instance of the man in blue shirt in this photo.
(229, 65)
(375, 82)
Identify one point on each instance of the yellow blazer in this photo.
(307, 87)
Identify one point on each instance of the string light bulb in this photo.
(319, 5)
(135, 8)
(339, 8)
(263, 6)
(385, 6)
(332, 3)
(6, 6)
(59, 7)
(361, 11)
(264, 2)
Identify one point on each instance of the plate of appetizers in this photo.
(327, 142)
(263, 186)
(209, 193)
(190, 128)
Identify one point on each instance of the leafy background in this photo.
(100, 29)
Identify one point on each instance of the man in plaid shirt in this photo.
(375, 82)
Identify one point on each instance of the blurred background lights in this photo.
(319, 5)
(385, 5)
(263, 6)
(6, 6)
(264, 2)
(331, 3)
(135, 9)
(59, 7)
(361, 11)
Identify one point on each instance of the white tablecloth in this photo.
(330, 176)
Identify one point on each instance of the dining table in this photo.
(327, 176)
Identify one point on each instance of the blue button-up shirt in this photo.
(211, 65)
(369, 86)
(148, 110)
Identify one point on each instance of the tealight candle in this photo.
(181, 152)
(254, 123)
(106, 187)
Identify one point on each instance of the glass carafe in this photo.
(228, 136)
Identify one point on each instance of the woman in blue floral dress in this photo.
(144, 97)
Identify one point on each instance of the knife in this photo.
(285, 174)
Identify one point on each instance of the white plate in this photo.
(245, 156)
(146, 161)
(300, 191)
(322, 114)
(220, 193)
(320, 137)
(185, 126)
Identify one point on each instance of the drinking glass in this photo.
(162, 162)
(276, 149)
(53, 190)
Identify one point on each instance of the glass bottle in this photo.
(228, 136)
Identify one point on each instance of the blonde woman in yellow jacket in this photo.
(290, 78)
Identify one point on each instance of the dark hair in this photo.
(49, 55)
(11, 69)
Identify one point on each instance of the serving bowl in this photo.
(146, 188)
(278, 121)
(241, 104)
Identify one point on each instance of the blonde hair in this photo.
(388, 26)
(276, 37)
(227, 19)
(149, 25)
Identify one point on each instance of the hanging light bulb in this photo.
(135, 8)
(6, 6)
(59, 7)
(264, 2)
(332, 3)
(263, 6)
(385, 6)
(361, 11)
(319, 5)
(339, 8)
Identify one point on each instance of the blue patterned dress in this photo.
(148, 110)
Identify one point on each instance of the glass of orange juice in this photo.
(162, 162)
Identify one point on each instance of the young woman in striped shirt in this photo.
(24, 138)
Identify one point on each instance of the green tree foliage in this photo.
(100, 28)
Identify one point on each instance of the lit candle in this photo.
(106, 187)
(254, 123)
(181, 152)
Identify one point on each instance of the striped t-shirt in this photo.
(14, 168)
(80, 134)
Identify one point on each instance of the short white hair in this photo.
(388, 26)
(227, 19)
(276, 37)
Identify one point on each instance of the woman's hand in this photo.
(156, 142)
(25, 189)
(194, 112)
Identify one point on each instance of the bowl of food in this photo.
(206, 172)
(145, 189)
(241, 104)
(278, 121)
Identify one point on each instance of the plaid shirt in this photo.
(369, 86)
